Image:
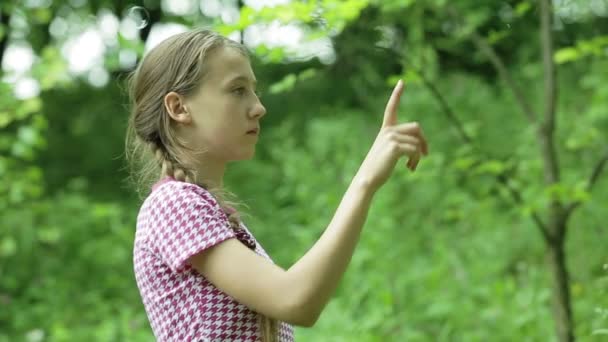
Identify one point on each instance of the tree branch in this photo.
(597, 171)
(503, 72)
(445, 107)
(547, 128)
(595, 175)
(240, 4)
(487, 49)
(501, 178)
(447, 110)
(517, 197)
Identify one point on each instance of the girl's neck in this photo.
(205, 183)
(211, 173)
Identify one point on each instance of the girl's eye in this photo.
(239, 91)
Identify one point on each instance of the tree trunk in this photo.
(5, 20)
(562, 310)
(558, 215)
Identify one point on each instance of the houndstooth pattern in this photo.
(175, 222)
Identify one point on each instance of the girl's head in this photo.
(193, 101)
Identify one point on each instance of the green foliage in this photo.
(595, 46)
(602, 310)
(439, 254)
(73, 275)
(446, 253)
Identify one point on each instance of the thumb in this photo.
(390, 112)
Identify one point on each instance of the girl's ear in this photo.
(175, 106)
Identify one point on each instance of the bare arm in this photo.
(319, 271)
(299, 294)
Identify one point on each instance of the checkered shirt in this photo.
(176, 221)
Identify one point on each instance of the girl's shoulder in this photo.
(171, 185)
(170, 190)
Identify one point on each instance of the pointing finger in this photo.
(390, 113)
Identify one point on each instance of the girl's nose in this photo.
(258, 110)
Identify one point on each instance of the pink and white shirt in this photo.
(176, 221)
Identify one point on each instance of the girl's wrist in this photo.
(364, 184)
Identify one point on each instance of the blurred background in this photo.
(500, 235)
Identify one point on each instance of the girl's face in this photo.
(225, 108)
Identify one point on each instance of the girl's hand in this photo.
(393, 141)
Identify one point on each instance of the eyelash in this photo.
(240, 91)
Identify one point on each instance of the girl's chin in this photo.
(245, 155)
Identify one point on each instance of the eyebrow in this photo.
(243, 78)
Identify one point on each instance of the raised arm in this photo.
(299, 294)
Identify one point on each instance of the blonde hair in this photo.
(153, 150)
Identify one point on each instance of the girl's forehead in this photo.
(227, 63)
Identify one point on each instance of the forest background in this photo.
(500, 235)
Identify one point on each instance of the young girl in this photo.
(201, 274)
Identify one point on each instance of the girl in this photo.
(201, 274)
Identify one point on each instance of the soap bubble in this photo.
(139, 15)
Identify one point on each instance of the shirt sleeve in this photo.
(189, 221)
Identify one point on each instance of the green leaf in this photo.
(494, 167)
(471, 128)
(27, 135)
(496, 36)
(557, 191)
(564, 55)
(411, 77)
(306, 74)
(5, 119)
(580, 194)
(49, 235)
(464, 163)
(583, 138)
(8, 247)
(42, 15)
(583, 48)
(283, 85)
(522, 8)
(28, 107)
(393, 5)
(21, 150)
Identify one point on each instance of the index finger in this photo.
(390, 112)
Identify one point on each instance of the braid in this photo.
(269, 328)
(233, 216)
(169, 166)
(177, 172)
